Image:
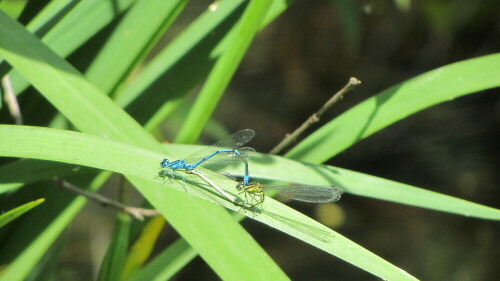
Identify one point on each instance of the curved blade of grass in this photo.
(240, 39)
(92, 151)
(443, 84)
(83, 149)
(9, 216)
(93, 112)
(282, 169)
(116, 61)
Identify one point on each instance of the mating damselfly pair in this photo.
(228, 151)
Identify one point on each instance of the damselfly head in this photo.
(240, 186)
(164, 163)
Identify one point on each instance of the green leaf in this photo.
(14, 213)
(443, 84)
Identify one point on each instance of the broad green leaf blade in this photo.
(114, 62)
(9, 216)
(443, 84)
(93, 112)
(51, 144)
(240, 39)
(91, 151)
(114, 260)
(282, 169)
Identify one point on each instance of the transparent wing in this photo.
(225, 159)
(308, 193)
(235, 140)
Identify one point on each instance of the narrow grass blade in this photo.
(237, 45)
(9, 216)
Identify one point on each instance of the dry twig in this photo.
(353, 82)
(137, 213)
